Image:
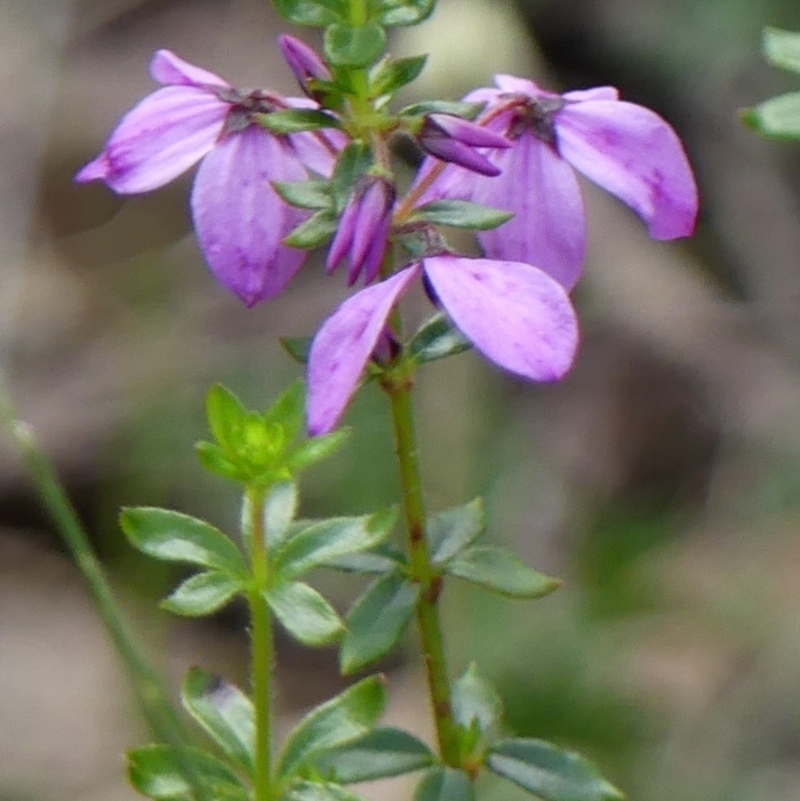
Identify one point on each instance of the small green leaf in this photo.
(405, 12)
(782, 48)
(391, 74)
(445, 784)
(476, 701)
(225, 713)
(312, 12)
(341, 720)
(451, 531)
(381, 753)
(502, 572)
(288, 410)
(376, 621)
(462, 214)
(549, 772)
(226, 415)
(383, 559)
(329, 539)
(319, 791)
(203, 594)
(175, 537)
(316, 449)
(469, 111)
(159, 772)
(280, 508)
(355, 160)
(312, 233)
(304, 613)
(304, 194)
(296, 120)
(436, 339)
(779, 116)
(297, 347)
(354, 45)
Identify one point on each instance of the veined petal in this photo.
(343, 345)
(157, 140)
(634, 154)
(167, 68)
(548, 229)
(597, 93)
(239, 218)
(516, 315)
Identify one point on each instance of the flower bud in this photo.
(305, 63)
(453, 139)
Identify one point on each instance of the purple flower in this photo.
(453, 139)
(515, 314)
(625, 148)
(364, 229)
(239, 218)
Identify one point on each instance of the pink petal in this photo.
(516, 315)
(157, 140)
(317, 150)
(634, 154)
(513, 85)
(548, 229)
(343, 346)
(167, 68)
(239, 218)
(598, 93)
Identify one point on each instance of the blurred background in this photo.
(661, 479)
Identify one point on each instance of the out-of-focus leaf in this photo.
(203, 594)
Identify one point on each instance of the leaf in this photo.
(203, 594)
(376, 621)
(436, 339)
(462, 214)
(297, 347)
(502, 572)
(354, 45)
(451, 531)
(391, 74)
(311, 12)
(296, 120)
(355, 160)
(304, 613)
(159, 771)
(782, 48)
(381, 753)
(224, 712)
(329, 539)
(405, 12)
(226, 415)
(476, 701)
(779, 116)
(341, 720)
(445, 784)
(175, 537)
(459, 108)
(549, 772)
(382, 559)
(280, 507)
(288, 410)
(312, 233)
(216, 460)
(316, 449)
(320, 791)
(304, 194)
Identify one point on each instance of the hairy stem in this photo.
(147, 685)
(429, 625)
(262, 646)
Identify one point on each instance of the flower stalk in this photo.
(427, 610)
(261, 643)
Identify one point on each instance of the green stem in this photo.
(428, 622)
(154, 702)
(262, 646)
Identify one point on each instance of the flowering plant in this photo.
(279, 177)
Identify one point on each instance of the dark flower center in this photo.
(536, 115)
(245, 104)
